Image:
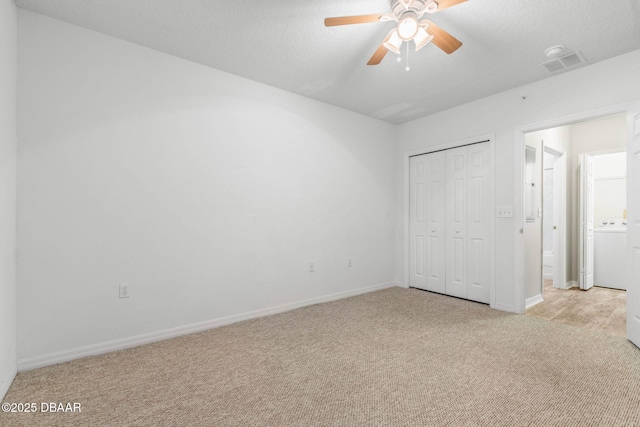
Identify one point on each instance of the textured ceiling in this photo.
(285, 44)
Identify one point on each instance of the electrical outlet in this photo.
(312, 267)
(124, 290)
(349, 263)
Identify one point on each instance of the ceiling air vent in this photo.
(564, 61)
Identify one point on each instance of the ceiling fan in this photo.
(407, 14)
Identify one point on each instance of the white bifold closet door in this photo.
(427, 222)
(449, 222)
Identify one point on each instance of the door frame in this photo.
(559, 196)
(519, 151)
(490, 139)
(633, 224)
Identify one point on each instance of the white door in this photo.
(633, 227)
(586, 222)
(449, 222)
(457, 222)
(436, 224)
(417, 222)
(559, 220)
(427, 222)
(478, 227)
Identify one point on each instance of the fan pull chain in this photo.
(408, 68)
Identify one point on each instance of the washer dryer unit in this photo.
(609, 252)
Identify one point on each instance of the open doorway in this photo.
(562, 207)
(546, 230)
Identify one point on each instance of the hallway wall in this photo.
(8, 159)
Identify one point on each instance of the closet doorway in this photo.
(451, 221)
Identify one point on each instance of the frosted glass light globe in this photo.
(407, 28)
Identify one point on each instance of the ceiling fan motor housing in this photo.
(419, 7)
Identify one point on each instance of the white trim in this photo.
(492, 224)
(518, 221)
(571, 284)
(138, 340)
(633, 231)
(518, 171)
(547, 276)
(6, 380)
(503, 307)
(406, 192)
(531, 301)
(490, 138)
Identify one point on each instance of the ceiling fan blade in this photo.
(379, 54)
(442, 39)
(445, 4)
(347, 20)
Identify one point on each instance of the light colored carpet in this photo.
(396, 357)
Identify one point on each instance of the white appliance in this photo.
(610, 258)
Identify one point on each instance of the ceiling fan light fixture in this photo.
(422, 38)
(407, 14)
(394, 43)
(408, 28)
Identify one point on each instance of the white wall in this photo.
(590, 88)
(8, 140)
(208, 193)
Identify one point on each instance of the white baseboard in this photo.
(530, 302)
(547, 276)
(135, 341)
(503, 307)
(6, 379)
(568, 285)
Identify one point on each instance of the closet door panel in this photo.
(436, 223)
(456, 241)
(478, 226)
(450, 216)
(417, 222)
